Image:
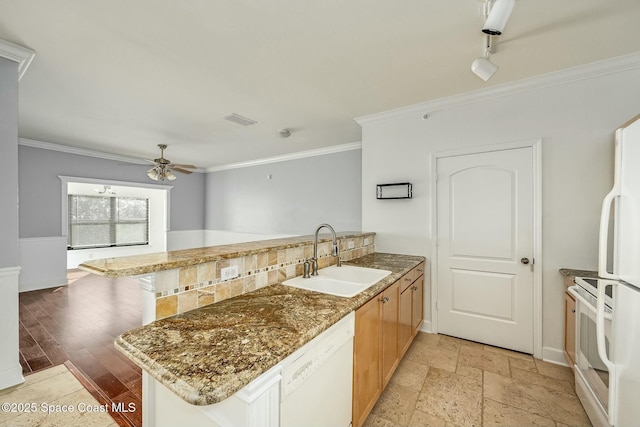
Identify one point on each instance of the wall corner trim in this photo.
(568, 75)
(22, 55)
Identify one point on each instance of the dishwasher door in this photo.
(317, 382)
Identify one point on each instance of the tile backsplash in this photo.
(182, 289)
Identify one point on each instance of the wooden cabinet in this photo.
(366, 360)
(385, 327)
(389, 307)
(569, 328)
(405, 326)
(417, 312)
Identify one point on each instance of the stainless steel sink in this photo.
(346, 281)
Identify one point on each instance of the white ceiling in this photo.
(122, 76)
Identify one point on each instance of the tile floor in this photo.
(54, 387)
(446, 381)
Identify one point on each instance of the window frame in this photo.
(112, 222)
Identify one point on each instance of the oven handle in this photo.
(602, 349)
(583, 300)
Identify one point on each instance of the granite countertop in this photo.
(569, 272)
(208, 354)
(147, 263)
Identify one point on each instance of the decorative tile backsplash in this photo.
(183, 289)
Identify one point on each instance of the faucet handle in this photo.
(314, 266)
(306, 267)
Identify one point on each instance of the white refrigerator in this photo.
(623, 355)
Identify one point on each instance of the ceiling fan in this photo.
(163, 168)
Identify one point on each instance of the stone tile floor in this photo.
(446, 381)
(52, 397)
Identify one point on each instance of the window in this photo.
(98, 221)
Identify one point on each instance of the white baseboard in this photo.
(11, 377)
(187, 239)
(43, 262)
(223, 237)
(426, 327)
(10, 369)
(554, 355)
(177, 240)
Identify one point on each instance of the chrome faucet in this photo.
(335, 252)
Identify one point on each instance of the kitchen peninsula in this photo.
(213, 353)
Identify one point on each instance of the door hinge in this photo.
(437, 305)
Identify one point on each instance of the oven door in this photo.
(589, 366)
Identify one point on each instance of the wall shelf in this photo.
(399, 190)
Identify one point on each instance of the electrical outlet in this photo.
(351, 245)
(366, 241)
(229, 273)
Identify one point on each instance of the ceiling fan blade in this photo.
(185, 166)
(181, 170)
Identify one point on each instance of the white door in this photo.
(485, 247)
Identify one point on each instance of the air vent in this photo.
(237, 118)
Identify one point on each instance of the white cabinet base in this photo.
(256, 405)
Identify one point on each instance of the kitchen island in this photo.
(207, 355)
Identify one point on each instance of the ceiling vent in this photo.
(237, 118)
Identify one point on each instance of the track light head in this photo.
(498, 16)
(483, 68)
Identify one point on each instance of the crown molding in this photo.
(292, 156)
(79, 151)
(22, 55)
(573, 74)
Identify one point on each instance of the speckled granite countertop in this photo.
(568, 272)
(206, 355)
(142, 264)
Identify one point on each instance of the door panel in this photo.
(483, 294)
(484, 228)
(488, 194)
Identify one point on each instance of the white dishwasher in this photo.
(317, 380)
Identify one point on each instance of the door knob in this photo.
(525, 260)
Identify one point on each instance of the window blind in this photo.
(99, 221)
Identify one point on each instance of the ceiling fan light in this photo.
(153, 174)
(169, 175)
(498, 17)
(483, 68)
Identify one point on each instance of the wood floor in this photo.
(79, 323)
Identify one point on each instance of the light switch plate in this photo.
(351, 245)
(229, 273)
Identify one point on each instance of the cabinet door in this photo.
(418, 304)
(390, 309)
(569, 328)
(405, 328)
(366, 360)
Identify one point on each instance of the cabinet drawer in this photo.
(419, 270)
(411, 276)
(406, 280)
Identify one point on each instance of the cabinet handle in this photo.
(420, 270)
(384, 299)
(407, 279)
(573, 310)
(415, 288)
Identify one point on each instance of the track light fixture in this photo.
(498, 16)
(483, 67)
